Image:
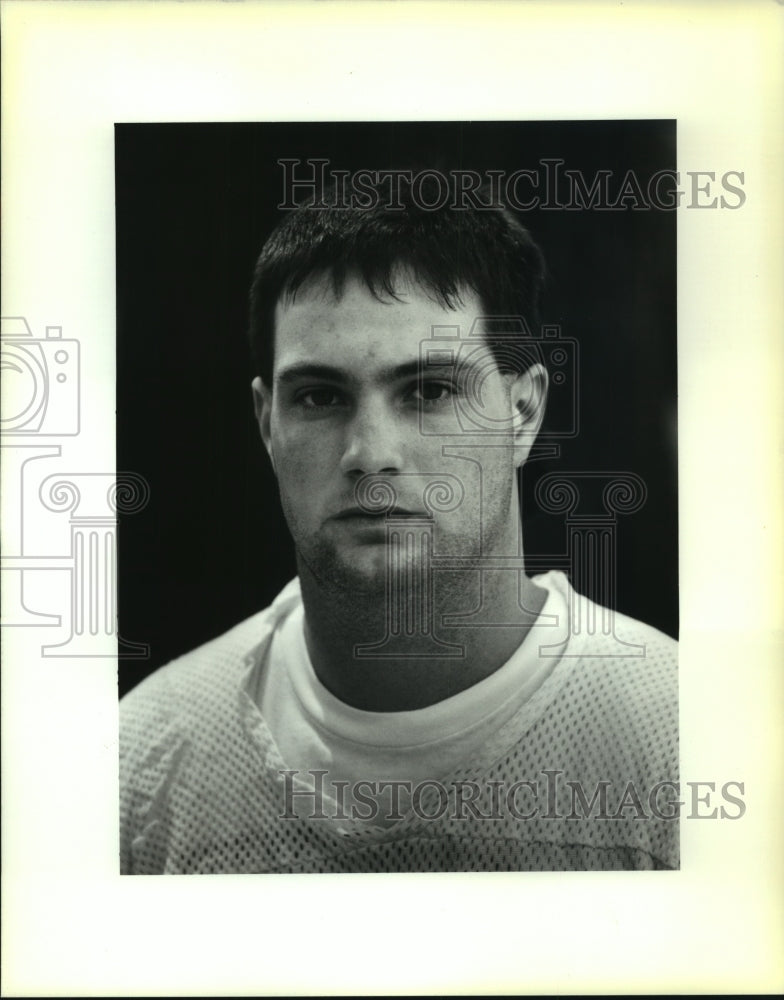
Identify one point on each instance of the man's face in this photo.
(350, 398)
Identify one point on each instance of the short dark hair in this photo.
(483, 249)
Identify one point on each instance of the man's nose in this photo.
(373, 441)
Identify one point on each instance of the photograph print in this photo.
(404, 597)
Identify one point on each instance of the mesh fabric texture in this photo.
(201, 789)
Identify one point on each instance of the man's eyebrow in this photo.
(307, 370)
(293, 373)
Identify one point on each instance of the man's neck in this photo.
(365, 658)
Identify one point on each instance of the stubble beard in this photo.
(356, 588)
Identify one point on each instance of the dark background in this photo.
(194, 204)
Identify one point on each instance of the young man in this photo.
(413, 701)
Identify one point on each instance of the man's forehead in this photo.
(404, 289)
(320, 323)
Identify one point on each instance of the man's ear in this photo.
(528, 397)
(262, 405)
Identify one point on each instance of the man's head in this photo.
(345, 307)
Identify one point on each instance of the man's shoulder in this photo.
(601, 631)
(622, 637)
(191, 686)
(612, 724)
(616, 665)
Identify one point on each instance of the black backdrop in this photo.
(194, 203)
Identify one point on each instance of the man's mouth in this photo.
(395, 512)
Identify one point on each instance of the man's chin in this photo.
(362, 572)
(365, 573)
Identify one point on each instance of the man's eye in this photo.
(319, 399)
(433, 392)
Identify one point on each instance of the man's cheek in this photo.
(294, 474)
(302, 473)
(294, 451)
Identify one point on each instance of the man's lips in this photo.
(358, 512)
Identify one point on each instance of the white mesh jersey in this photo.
(583, 776)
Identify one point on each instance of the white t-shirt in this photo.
(314, 730)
